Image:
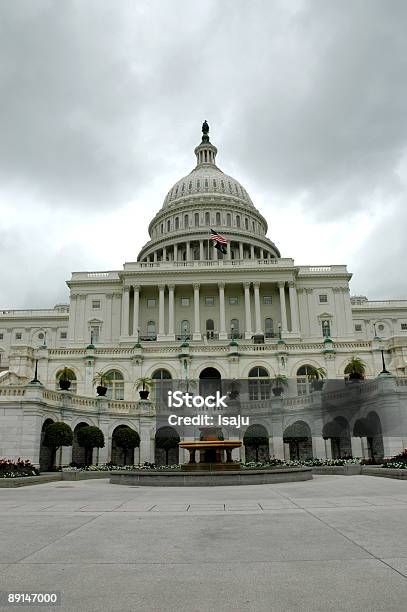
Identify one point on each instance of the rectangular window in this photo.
(326, 329)
(1, 336)
(323, 298)
(209, 301)
(404, 326)
(151, 303)
(358, 327)
(184, 301)
(95, 304)
(18, 336)
(233, 301)
(267, 299)
(63, 335)
(94, 334)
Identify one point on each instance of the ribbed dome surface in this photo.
(206, 179)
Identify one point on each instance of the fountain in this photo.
(212, 450)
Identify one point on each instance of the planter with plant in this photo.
(143, 385)
(355, 369)
(102, 379)
(64, 380)
(279, 382)
(316, 377)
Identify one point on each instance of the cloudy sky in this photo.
(102, 104)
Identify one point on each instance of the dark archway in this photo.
(78, 452)
(338, 432)
(370, 428)
(298, 437)
(256, 443)
(209, 382)
(46, 454)
(166, 446)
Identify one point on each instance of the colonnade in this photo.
(189, 250)
(166, 300)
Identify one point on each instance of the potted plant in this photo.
(279, 382)
(234, 390)
(355, 369)
(143, 384)
(102, 379)
(64, 381)
(316, 376)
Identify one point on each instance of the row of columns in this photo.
(212, 253)
(258, 328)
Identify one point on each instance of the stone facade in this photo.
(248, 308)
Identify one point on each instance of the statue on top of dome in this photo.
(205, 128)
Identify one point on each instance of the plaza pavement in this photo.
(333, 543)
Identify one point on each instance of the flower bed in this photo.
(110, 467)
(313, 462)
(17, 469)
(399, 462)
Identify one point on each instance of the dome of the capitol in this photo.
(203, 201)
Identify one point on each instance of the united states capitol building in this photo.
(184, 309)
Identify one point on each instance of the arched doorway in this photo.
(370, 428)
(338, 432)
(299, 439)
(119, 455)
(209, 382)
(46, 453)
(166, 446)
(256, 443)
(78, 452)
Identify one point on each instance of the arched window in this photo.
(168, 225)
(237, 220)
(176, 223)
(303, 382)
(196, 217)
(185, 329)
(234, 328)
(186, 221)
(228, 220)
(115, 385)
(268, 328)
(246, 223)
(161, 386)
(162, 227)
(259, 384)
(67, 374)
(207, 218)
(217, 218)
(210, 333)
(151, 333)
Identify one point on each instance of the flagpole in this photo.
(209, 233)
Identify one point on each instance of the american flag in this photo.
(218, 238)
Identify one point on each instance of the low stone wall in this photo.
(370, 470)
(72, 475)
(350, 469)
(24, 481)
(161, 478)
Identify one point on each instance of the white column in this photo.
(295, 324)
(188, 256)
(125, 311)
(155, 255)
(222, 323)
(257, 313)
(228, 251)
(72, 316)
(251, 251)
(201, 250)
(161, 297)
(240, 250)
(328, 448)
(284, 325)
(136, 310)
(318, 447)
(248, 314)
(197, 325)
(107, 328)
(356, 444)
(164, 253)
(215, 253)
(171, 334)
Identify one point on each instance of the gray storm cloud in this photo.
(101, 105)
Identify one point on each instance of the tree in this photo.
(355, 369)
(256, 442)
(166, 439)
(57, 435)
(127, 439)
(90, 437)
